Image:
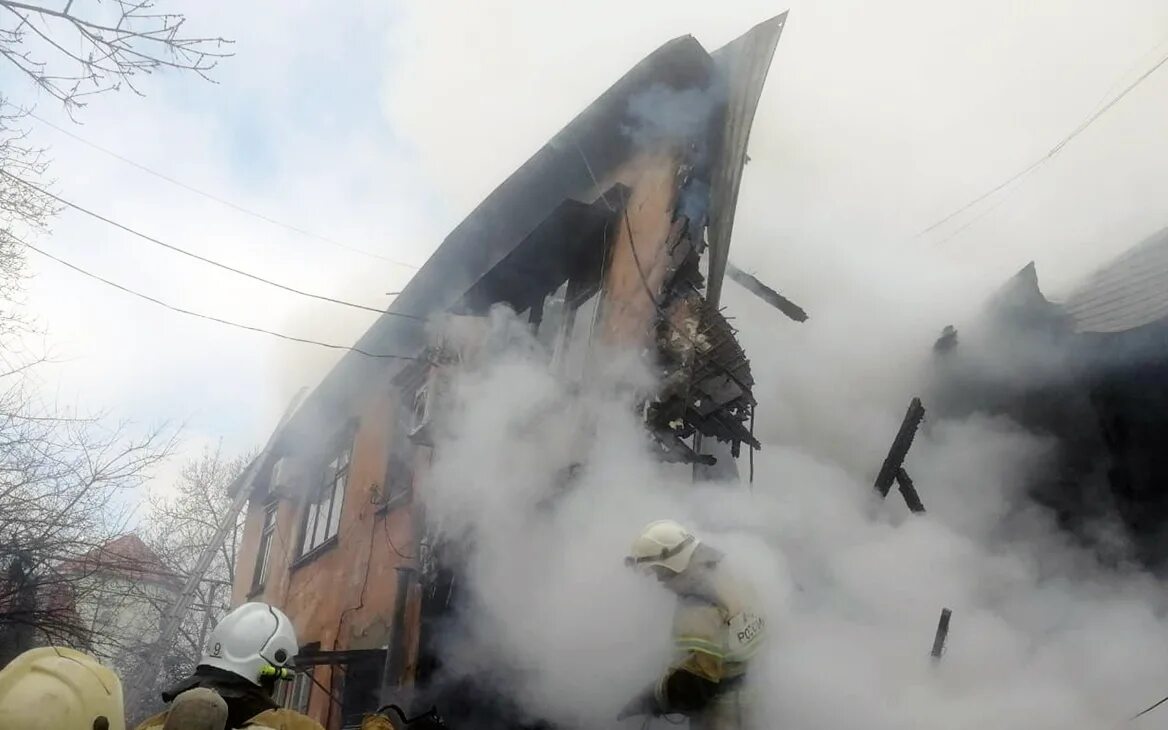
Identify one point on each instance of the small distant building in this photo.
(120, 590)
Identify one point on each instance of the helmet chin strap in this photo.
(276, 672)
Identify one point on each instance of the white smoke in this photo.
(1042, 636)
(857, 145)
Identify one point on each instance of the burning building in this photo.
(1090, 373)
(614, 235)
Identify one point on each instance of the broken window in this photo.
(420, 419)
(322, 515)
(260, 575)
(550, 327)
(399, 466)
(571, 357)
(294, 695)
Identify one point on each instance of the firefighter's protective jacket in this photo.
(718, 628)
(278, 719)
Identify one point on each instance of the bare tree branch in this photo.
(108, 54)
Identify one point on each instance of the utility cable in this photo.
(389, 541)
(1146, 710)
(210, 196)
(660, 311)
(208, 317)
(198, 257)
(1053, 151)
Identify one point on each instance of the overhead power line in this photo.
(199, 315)
(211, 196)
(198, 257)
(1051, 153)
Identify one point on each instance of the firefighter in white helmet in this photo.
(248, 652)
(54, 688)
(717, 629)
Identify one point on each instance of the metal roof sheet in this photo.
(1129, 292)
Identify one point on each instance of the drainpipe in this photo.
(396, 654)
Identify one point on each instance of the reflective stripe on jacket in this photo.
(717, 629)
(279, 719)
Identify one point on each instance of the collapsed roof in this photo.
(563, 172)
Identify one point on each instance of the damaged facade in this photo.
(1089, 373)
(614, 235)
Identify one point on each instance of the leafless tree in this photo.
(61, 482)
(75, 52)
(72, 51)
(180, 525)
(62, 475)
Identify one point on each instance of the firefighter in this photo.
(54, 688)
(248, 652)
(717, 629)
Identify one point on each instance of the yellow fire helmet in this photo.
(54, 688)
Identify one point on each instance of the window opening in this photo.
(263, 557)
(322, 516)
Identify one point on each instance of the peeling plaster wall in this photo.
(344, 596)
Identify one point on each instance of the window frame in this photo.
(297, 694)
(331, 487)
(263, 561)
(578, 296)
(399, 462)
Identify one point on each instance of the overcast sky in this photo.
(381, 124)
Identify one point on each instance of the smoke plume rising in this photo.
(1042, 636)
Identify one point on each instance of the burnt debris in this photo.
(765, 293)
(947, 341)
(893, 468)
(707, 383)
(941, 635)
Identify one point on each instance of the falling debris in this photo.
(893, 467)
(942, 634)
(909, 492)
(765, 293)
(947, 341)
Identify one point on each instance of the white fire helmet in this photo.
(253, 641)
(54, 688)
(663, 543)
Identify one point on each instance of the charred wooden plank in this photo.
(900, 446)
(941, 635)
(909, 491)
(765, 293)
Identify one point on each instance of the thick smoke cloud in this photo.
(877, 119)
(1043, 637)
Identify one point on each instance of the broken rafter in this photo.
(909, 491)
(765, 293)
(894, 462)
(941, 635)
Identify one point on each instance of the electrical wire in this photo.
(750, 455)
(1052, 152)
(1146, 710)
(364, 581)
(662, 315)
(208, 317)
(389, 541)
(209, 196)
(198, 257)
(331, 695)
